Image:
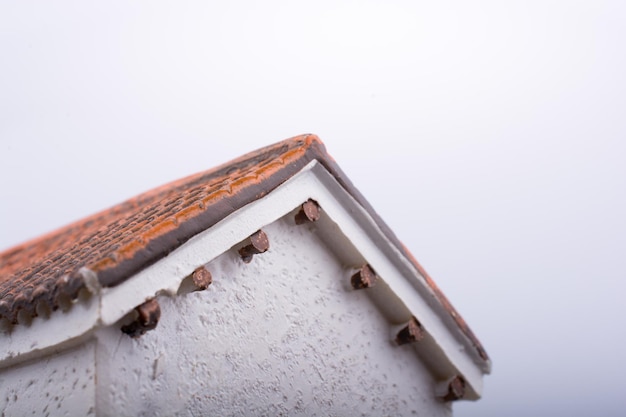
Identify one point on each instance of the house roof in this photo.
(118, 242)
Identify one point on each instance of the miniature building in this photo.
(265, 286)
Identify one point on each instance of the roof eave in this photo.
(409, 291)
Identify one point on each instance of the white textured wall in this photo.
(284, 334)
(61, 384)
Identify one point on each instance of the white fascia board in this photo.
(314, 181)
(166, 275)
(61, 330)
(403, 279)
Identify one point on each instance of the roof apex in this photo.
(107, 248)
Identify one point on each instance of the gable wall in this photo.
(283, 334)
(60, 384)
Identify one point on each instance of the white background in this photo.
(490, 135)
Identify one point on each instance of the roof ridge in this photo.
(117, 242)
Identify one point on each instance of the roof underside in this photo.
(118, 242)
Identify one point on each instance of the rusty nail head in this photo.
(309, 212)
(201, 278)
(412, 332)
(259, 243)
(364, 278)
(456, 389)
(148, 315)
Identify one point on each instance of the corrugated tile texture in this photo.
(118, 242)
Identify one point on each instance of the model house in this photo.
(265, 286)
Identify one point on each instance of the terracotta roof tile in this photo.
(120, 241)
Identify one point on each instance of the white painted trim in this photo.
(444, 337)
(61, 329)
(402, 277)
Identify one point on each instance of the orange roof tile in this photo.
(118, 242)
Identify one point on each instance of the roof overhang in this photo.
(346, 226)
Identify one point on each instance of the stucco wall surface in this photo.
(283, 335)
(62, 384)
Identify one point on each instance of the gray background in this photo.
(488, 134)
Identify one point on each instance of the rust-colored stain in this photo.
(120, 241)
(148, 315)
(411, 333)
